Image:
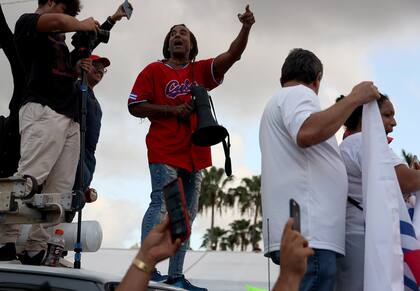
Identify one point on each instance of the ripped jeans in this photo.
(162, 174)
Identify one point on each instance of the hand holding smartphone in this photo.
(176, 206)
(294, 209)
(128, 8)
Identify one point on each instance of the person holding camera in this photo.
(162, 93)
(48, 118)
(96, 71)
(301, 160)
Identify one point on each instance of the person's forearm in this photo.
(107, 25)
(239, 44)
(147, 110)
(409, 179)
(286, 283)
(58, 22)
(134, 279)
(320, 126)
(225, 61)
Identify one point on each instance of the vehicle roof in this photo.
(80, 274)
(60, 272)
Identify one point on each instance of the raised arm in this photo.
(111, 21)
(65, 23)
(409, 179)
(224, 61)
(320, 126)
(157, 246)
(294, 252)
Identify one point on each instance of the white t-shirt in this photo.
(351, 152)
(315, 176)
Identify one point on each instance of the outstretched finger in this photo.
(247, 8)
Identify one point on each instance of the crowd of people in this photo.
(301, 159)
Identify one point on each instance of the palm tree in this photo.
(256, 234)
(212, 237)
(249, 201)
(227, 241)
(408, 157)
(240, 232)
(213, 194)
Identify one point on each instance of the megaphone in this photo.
(208, 131)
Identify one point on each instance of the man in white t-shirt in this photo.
(301, 160)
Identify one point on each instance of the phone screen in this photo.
(295, 214)
(128, 9)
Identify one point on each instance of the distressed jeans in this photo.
(161, 175)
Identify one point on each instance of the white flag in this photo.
(416, 216)
(383, 255)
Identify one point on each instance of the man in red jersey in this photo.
(162, 94)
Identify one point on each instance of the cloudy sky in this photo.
(358, 40)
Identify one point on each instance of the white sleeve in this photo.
(297, 106)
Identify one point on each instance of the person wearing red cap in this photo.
(96, 68)
(94, 75)
(48, 117)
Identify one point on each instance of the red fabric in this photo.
(169, 140)
(412, 259)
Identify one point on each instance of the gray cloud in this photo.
(344, 34)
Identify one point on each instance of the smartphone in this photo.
(295, 214)
(128, 8)
(176, 206)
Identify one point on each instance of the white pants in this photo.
(49, 150)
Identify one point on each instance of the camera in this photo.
(85, 41)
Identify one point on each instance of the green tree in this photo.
(212, 237)
(239, 229)
(256, 234)
(408, 157)
(227, 241)
(213, 195)
(249, 201)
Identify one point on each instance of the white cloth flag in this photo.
(416, 216)
(383, 255)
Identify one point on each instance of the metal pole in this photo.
(81, 186)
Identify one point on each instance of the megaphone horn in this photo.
(208, 131)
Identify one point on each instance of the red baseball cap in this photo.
(104, 61)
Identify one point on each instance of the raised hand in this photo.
(158, 245)
(247, 18)
(365, 92)
(294, 252)
(119, 14)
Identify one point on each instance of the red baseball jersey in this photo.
(169, 139)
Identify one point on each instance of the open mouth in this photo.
(178, 43)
